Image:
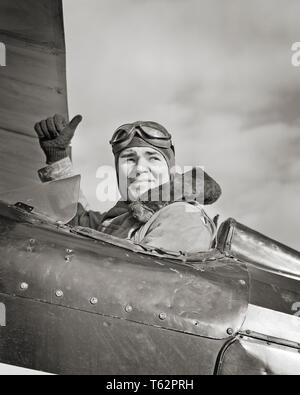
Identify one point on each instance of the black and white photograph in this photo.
(149, 190)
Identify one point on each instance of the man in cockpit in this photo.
(144, 159)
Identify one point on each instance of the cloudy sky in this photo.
(216, 73)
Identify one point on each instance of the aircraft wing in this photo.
(32, 84)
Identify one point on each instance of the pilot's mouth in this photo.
(142, 182)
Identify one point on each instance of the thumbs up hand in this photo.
(55, 136)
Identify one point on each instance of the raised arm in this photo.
(55, 136)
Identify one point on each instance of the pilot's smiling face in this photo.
(140, 169)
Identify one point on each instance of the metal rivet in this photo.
(242, 282)
(68, 258)
(93, 301)
(59, 293)
(196, 323)
(128, 309)
(24, 286)
(248, 332)
(68, 251)
(230, 331)
(29, 249)
(162, 316)
(32, 241)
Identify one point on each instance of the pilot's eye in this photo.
(128, 159)
(154, 158)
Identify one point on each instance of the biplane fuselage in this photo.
(81, 302)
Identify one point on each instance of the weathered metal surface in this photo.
(248, 245)
(32, 84)
(272, 325)
(196, 258)
(204, 301)
(79, 277)
(247, 356)
(274, 270)
(65, 341)
(274, 309)
(274, 291)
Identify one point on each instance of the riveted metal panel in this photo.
(208, 300)
(60, 340)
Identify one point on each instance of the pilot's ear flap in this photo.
(212, 190)
(193, 185)
(196, 185)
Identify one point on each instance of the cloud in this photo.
(217, 74)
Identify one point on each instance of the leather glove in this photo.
(55, 136)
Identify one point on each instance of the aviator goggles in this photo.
(152, 132)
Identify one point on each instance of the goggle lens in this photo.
(149, 130)
(155, 133)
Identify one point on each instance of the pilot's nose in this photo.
(141, 166)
